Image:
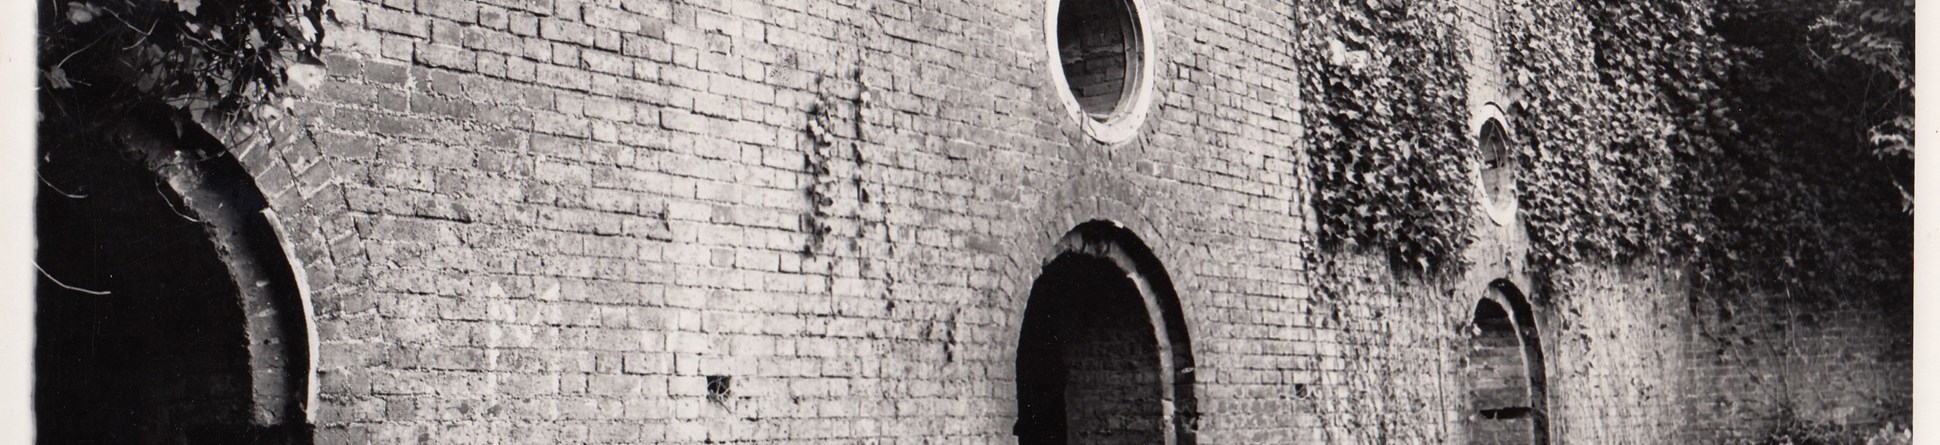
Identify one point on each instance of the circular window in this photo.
(1102, 63)
(1495, 163)
(1497, 170)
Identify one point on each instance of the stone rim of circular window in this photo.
(1135, 98)
(1501, 211)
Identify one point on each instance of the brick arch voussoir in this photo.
(217, 190)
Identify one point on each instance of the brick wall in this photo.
(1841, 359)
(1384, 357)
(561, 216)
(1629, 355)
(548, 221)
(1617, 360)
(1636, 358)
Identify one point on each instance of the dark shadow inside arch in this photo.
(167, 311)
(1093, 366)
(1507, 391)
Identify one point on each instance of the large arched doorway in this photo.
(167, 311)
(1504, 372)
(1104, 357)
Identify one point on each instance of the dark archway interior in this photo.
(161, 358)
(1097, 40)
(1498, 380)
(1088, 369)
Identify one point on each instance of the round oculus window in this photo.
(1497, 170)
(1102, 63)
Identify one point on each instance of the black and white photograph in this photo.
(997, 222)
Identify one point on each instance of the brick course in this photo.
(548, 221)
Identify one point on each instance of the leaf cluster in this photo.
(1385, 99)
(223, 58)
(1765, 142)
(1618, 119)
(1761, 140)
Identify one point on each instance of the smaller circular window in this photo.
(1496, 172)
(1496, 166)
(1101, 62)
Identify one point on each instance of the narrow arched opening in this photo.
(149, 340)
(1503, 372)
(1103, 357)
(1088, 362)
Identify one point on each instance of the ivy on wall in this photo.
(1764, 144)
(1737, 134)
(227, 61)
(1617, 126)
(1385, 96)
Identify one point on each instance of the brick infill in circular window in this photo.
(1101, 60)
(1496, 170)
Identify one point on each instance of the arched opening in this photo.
(167, 312)
(1103, 357)
(1504, 372)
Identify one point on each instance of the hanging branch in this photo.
(57, 281)
(229, 55)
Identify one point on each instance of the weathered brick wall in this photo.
(1617, 360)
(1387, 359)
(1630, 357)
(551, 221)
(1636, 358)
(1756, 360)
(1394, 345)
(1851, 364)
(542, 222)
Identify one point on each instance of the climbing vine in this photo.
(1766, 145)
(1731, 133)
(1386, 95)
(223, 60)
(1617, 126)
(1815, 199)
